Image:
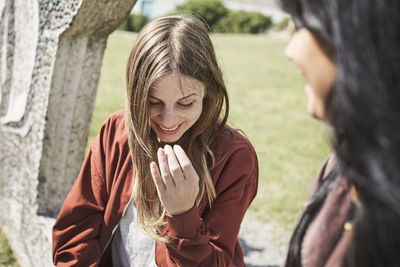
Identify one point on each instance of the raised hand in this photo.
(176, 180)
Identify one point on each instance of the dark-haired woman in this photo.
(349, 53)
(166, 182)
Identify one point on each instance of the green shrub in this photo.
(124, 25)
(134, 22)
(211, 11)
(282, 25)
(137, 22)
(244, 22)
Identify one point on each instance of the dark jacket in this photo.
(326, 240)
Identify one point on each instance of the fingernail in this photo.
(168, 148)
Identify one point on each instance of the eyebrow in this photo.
(178, 99)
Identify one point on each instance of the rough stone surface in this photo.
(74, 85)
(50, 60)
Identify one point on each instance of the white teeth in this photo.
(169, 130)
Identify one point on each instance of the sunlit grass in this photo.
(268, 103)
(7, 258)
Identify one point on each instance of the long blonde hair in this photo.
(172, 44)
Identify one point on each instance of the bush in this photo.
(138, 21)
(282, 25)
(211, 11)
(244, 22)
(134, 22)
(124, 25)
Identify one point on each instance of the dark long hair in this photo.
(363, 38)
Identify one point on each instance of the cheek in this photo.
(197, 111)
(298, 50)
(193, 114)
(323, 79)
(153, 112)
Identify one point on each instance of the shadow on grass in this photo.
(247, 249)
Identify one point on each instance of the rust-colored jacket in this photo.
(200, 237)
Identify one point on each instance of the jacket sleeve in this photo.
(210, 239)
(77, 227)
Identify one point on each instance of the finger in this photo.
(164, 169)
(155, 173)
(173, 164)
(185, 163)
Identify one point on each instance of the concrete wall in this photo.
(50, 59)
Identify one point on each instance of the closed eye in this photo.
(154, 103)
(186, 105)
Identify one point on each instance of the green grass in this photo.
(7, 258)
(267, 102)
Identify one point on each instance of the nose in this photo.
(169, 118)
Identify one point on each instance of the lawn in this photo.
(7, 258)
(267, 103)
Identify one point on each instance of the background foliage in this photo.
(243, 22)
(215, 14)
(211, 11)
(134, 22)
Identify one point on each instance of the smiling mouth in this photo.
(168, 130)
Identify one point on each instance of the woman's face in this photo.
(316, 67)
(175, 104)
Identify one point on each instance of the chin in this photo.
(316, 114)
(169, 140)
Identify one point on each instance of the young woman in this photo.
(166, 182)
(349, 53)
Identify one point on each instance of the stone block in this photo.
(50, 60)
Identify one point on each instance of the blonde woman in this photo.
(166, 182)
